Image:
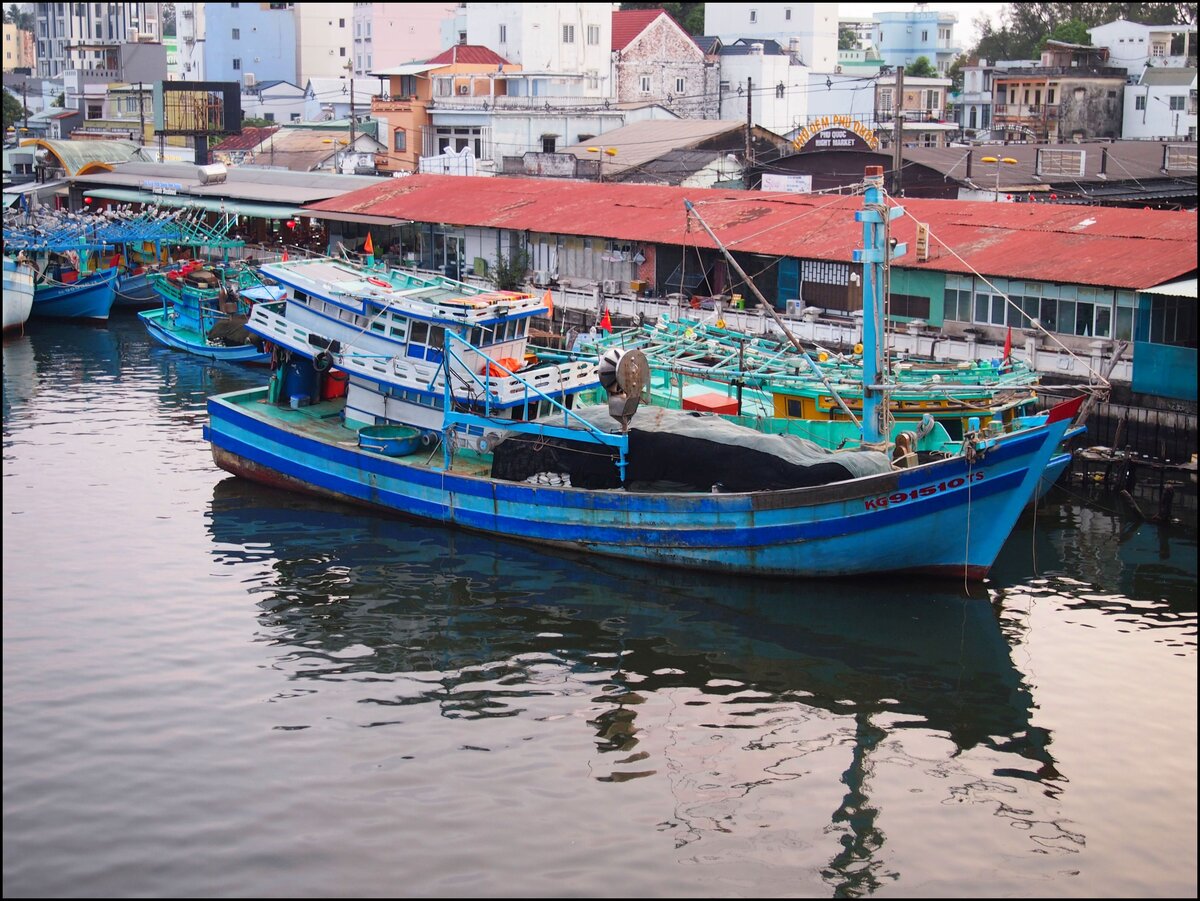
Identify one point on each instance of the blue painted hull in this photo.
(949, 517)
(135, 291)
(194, 343)
(89, 298)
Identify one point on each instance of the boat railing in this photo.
(574, 427)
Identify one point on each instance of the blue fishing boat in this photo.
(18, 293)
(444, 418)
(204, 311)
(63, 293)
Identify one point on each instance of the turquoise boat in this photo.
(204, 311)
(506, 447)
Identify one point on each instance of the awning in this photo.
(240, 207)
(362, 218)
(1182, 288)
(406, 69)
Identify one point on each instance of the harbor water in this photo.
(216, 689)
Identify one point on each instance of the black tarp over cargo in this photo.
(695, 451)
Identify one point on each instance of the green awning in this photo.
(216, 205)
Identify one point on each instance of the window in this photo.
(237, 34)
(1050, 95)
(400, 140)
(1176, 102)
(341, 23)
(341, 51)
(644, 84)
(568, 34)
(1139, 102)
(924, 35)
(679, 85)
(503, 34)
(94, 111)
(548, 142)
(753, 16)
(270, 117)
(787, 14)
(237, 64)
(593, 35)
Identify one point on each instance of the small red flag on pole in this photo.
(369, 246)
(1008, 345)
(548, 300)
(606, 322)
(285, 255)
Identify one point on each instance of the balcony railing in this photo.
(1024, 111)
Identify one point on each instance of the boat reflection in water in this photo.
(729, 687)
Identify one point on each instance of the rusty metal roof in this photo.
(1119, 248)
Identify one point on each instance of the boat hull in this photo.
(135, 290)
(18, 295)
(194, 343)
(949, 518)
(90, 298)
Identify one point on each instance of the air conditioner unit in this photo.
(464, 89)
(249, 80)
(610, 286)
(541, 278)
(795, 307)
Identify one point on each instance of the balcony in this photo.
(399, 105)
(1018, 111)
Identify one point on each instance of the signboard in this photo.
(835, 133)
(162, 187)
(197, 108)
(795, 184)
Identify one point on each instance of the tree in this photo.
(168, 20)
(921, 68)
(690, 16)
(847, 39)
(60, 100)
(19, 15)
(1070, 32)
(1024, 27)
(955, 74)
(509, 274)
(14, 112)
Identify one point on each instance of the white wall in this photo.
(775, 113)
(1157, 119)
(534, 36)
(815, 24)
(324, 39)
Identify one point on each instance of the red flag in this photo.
(549, 302)
(369, 246)
(285, 255)
(606, 322)
(1008, 345)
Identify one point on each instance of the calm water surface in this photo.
(211, 688)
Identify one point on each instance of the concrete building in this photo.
(68, 34)
(18, 49)
(1133, 46)
(1162, 105)
(335, 98)
(249, 42)
(276, 101)
(190, 24)
(1072, 94)
(574, 38)
(388, 34)
(902, 37)
(324, 40)
(763, 82)
(808, 30)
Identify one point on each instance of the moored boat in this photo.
(18, 293)
(204, 311)
(63, 293)
(484, 440)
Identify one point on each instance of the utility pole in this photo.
(749, 119)
(350, 148)
(141, 116)
(25, 102)
(898, 135)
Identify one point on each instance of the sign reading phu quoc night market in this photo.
(835, 133)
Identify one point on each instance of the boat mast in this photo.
(876, 252)
(771, 309)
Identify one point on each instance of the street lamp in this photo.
(608, 151)
(1004, 159)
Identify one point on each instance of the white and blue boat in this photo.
(64, 293)
(445, 419)
(18, 293)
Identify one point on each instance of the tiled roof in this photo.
(628, 24)
(469, 53)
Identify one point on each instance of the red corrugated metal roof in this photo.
(1115, 247)
(468, 53)
(628, 24)
(251, 137)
